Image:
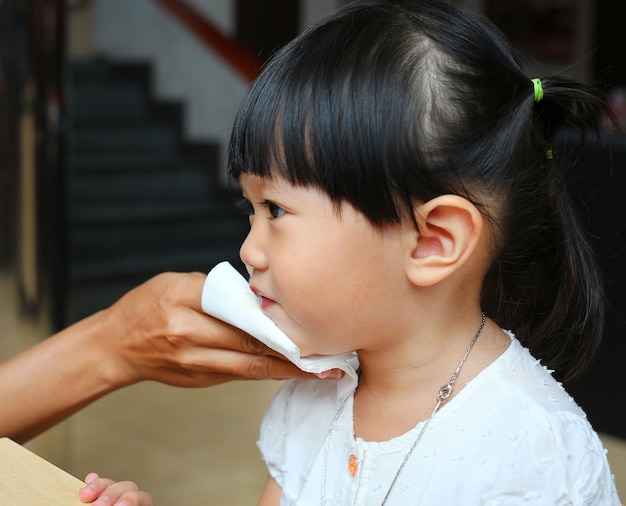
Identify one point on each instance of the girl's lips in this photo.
(264, 302)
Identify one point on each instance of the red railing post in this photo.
(242, 59)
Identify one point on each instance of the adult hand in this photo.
(159, 332)
(155, 332)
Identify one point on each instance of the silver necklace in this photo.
(444, 394)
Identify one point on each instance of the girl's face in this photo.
(329, 279)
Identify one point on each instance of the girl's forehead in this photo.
(277, 187)
(251, 183)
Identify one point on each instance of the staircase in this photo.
(141, 200)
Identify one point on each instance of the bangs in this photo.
(356, 107)
(316, 117)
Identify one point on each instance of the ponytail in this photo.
(545, 282)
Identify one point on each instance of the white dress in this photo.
(511, 436)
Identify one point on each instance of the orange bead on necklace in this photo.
(353, 465)
(444, 394)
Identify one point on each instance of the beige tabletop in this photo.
(26, 479)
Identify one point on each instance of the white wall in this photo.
(184, 69)
(313, 10)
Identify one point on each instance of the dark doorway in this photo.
(265, 26)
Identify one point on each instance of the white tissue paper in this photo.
(227, 296)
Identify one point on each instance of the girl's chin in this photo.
(308, 350)
(303, 344)
(306, 344)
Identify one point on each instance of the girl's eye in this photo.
(245, 206)
(274, 209)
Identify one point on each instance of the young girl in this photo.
(405, 204)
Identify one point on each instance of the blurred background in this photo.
(114, 122)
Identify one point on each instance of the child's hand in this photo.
(105, 492)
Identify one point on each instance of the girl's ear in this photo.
(449, 231)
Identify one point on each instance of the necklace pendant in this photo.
(353, 465)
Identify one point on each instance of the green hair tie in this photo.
(538, 89)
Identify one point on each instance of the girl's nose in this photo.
(251, 252)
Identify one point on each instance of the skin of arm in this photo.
(271, 493)
(156, 332)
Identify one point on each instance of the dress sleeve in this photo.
(561, 461)
(272, 439)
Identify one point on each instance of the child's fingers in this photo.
(129, 498)
(90, 477)
(102, 491)
(95, 486)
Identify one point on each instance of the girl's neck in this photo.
(399, 385)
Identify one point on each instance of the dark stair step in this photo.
(136, 115)
(95, 292)
(100, 69)
(142, 199)
(167, 182)
(111, 162)
(152, 234)
(149, 138)
(125, 97)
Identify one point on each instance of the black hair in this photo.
(386, 105)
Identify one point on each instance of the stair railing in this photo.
(242, 59)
